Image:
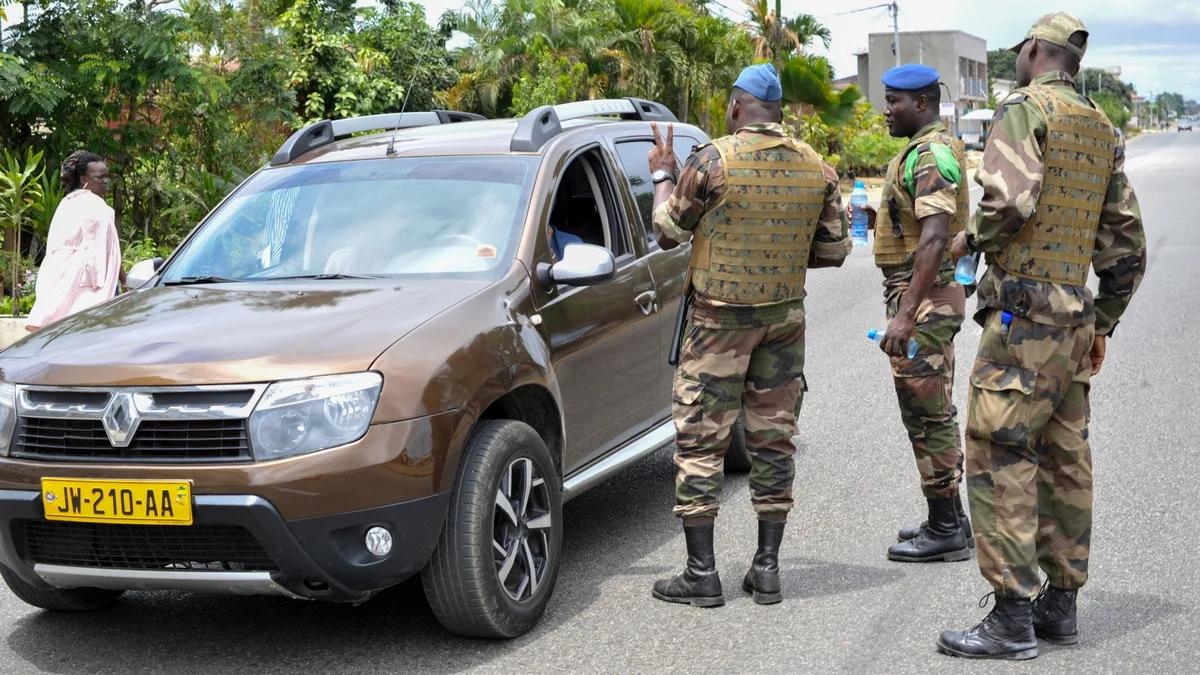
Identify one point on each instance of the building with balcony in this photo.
(960, 57)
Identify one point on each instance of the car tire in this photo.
(58, 599)
(496, 563)
(737, 457)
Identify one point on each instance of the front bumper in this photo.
(320, 558)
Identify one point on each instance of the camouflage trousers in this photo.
(721, 373)
(925, 389)
(1029, 466)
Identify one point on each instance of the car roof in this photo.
(482, 137)
(439, 133)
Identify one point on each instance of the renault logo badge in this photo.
(121, 420)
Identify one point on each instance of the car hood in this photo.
(229, 333)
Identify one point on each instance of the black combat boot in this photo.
(911, 531)
(942, 539)
(1005, 633)
(1054, 615)
(699, 585)
(762, 579)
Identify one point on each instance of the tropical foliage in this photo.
(186, 98)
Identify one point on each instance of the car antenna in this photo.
(391, 148)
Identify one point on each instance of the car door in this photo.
(604, 339)
(667, 267)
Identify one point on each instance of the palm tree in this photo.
(808, 85)
(807, 28)
(776, 38)
(647, 43)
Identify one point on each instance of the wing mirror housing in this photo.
(581, 265)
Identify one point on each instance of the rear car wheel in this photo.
(58, 599)
(737, 457)
(497, 559)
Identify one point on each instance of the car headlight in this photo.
(8, 415)
(301, 416)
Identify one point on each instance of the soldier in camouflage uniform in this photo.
(925, 203)
(760, 209)
(1056, 202)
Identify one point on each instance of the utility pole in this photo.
(895, 10)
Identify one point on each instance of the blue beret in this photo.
(761, 82)
(909, 77)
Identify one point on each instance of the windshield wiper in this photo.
(202, 279)
(319, 277)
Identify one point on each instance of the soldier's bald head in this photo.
(770, 111)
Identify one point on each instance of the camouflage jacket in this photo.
(932, 193)
(1011, 176)
(700, 187)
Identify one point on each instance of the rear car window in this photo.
(633, 156)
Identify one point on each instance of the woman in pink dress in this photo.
(83, 253)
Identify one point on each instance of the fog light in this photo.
(379, 541)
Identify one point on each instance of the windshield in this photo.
(455, 216)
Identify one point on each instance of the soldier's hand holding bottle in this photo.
(870, 211)
(899, 331)
(958, 246)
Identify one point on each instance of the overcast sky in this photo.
(1155, 42)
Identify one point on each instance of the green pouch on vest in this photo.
(947, 164)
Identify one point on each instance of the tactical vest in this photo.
(752, 248)
(897, 230)
(1057, 242)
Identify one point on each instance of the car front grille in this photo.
(145, 547)
(62, 439)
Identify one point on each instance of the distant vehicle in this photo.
(1184, 126)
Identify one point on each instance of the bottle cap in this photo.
(1006, 318)
(859, 184)
(872, 334)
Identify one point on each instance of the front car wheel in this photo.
(497, 559)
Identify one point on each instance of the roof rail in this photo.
(544, 123)
(325, 132)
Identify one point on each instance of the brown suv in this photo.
(366, 363)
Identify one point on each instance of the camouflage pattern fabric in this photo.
(721, 372)
(925, 388)
(1012, 174)
(701, 186)
(753, 246)
(897, 231)
(1029, 466)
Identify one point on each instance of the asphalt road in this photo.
(847, 609)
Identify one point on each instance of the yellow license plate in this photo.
(125, 502)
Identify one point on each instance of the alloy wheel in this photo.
(521, 528)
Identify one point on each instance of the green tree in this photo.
(1001, 65)
(808, 83)
(1113, 106)
(550, 79)
(20, 201)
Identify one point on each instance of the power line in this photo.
(741, 14)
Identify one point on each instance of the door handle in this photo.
(647, 302)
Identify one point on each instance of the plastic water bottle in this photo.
(1005, 323)
(965, 269)
(858, 224)
(877, 336)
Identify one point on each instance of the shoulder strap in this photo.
(947, 164)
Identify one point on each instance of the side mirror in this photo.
(582, 265)
(142, 272)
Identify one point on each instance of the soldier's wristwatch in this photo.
(661, 175)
